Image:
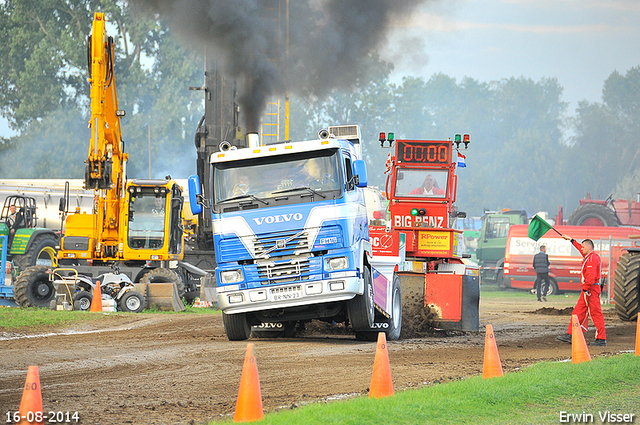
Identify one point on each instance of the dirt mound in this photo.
(419, 321)
(551, 311)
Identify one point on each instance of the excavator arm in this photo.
(105, 166)
(106, 160)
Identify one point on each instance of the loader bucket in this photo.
(163, 296)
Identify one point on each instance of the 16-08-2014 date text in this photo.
(50, 417)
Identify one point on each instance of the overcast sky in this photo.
(579, 42)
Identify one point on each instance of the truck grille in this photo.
(282, 271)
(282, 243)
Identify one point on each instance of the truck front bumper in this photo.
(289, 295)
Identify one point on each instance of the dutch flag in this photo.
(461, 160)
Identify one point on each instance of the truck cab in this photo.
(291, 236)
(490, 251)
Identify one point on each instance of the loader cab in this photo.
(154, 221)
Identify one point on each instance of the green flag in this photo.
(538, 227)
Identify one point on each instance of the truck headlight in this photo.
(337, 263)
(231, 276)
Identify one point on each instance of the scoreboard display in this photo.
(423, 152)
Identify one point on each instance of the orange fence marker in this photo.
(492, 367)
(31, 403)
(381, 384)
(96, 302)
(249, 404)
(579, 350)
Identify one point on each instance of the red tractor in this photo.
(610, 212)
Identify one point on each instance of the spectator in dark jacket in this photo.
(541, 266)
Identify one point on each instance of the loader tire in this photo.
(132, 302)
(361, 308)
(591, 214)
(42, 251)
(33, 288)
(164, 276)
(82, 301)
(626, 286)
(236, 326)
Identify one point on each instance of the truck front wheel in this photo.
(361, 309)
(236, 326)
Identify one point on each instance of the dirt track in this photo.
(180, 369)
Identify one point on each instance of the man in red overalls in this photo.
(589, 300)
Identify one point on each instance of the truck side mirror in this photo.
(360, 172)
(195, 194)
(62, 205)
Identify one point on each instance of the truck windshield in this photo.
(421, 182)
(146, 220)
(497, 227)
(316, 174)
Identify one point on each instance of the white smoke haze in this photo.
(329, 42)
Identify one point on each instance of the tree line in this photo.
(527, 150)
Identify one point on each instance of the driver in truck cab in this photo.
(429, 187)
(241, 187)
(315, 175)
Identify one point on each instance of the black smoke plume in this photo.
(329, 41)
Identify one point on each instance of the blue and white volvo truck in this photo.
(291, 238)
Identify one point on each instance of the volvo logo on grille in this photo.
(281, 218)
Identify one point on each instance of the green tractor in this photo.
(28, 246)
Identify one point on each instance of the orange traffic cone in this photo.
(96, 302)
(579, 350)
(31, 403)
(381, 384)
(638, 337)
(492, 367)
(249, 404)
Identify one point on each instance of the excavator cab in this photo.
(154, 223)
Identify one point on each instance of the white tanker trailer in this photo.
(47, 194)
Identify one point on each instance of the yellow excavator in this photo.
(132, 220)
(135, 228)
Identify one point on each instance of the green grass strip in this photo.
(535, 395)
(12, 318)
(15, 319)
